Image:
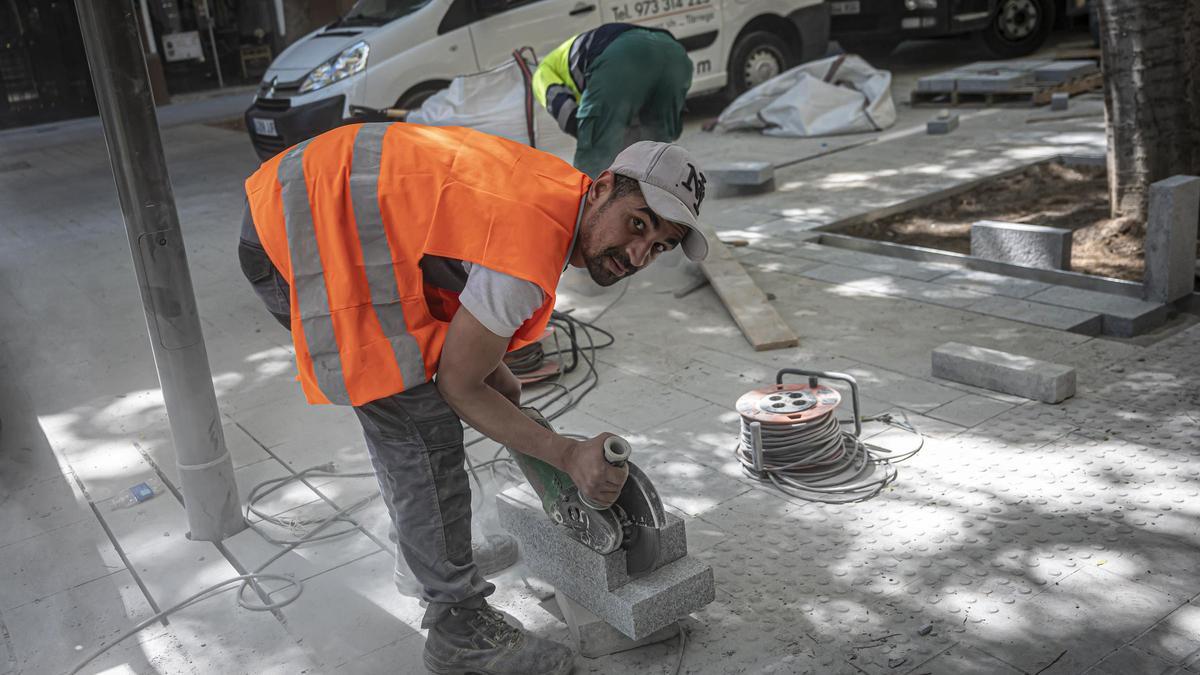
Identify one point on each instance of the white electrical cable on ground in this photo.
(556, 393)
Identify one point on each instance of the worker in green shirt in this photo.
(613, 86)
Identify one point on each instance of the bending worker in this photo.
(406, 261)
(612, 86)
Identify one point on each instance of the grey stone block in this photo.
(601, 571)
(594, 638)
(1171, 239)
(1061, 71)
(1123, 317)
(942, 124)
(1060, 101)
(1004, 372)
(1038, 314)
(998, 80)
(638, 607)
(741, 178)
(1021, 244)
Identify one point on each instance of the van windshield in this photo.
(379, 12)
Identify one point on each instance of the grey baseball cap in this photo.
(673, 186)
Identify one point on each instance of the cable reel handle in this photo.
(813, 377)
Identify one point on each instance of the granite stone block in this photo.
(637, 608)
(594, 638)
(942, 124)
(1123, 316)
(1004, 372)
(741, 178)
(1021, 244)
(1061, 71)
(1171, 239)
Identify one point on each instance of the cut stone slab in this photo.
(1038, 314)
(741, 178)
(1022, 244)
(601, 571)
(1001, 371)
(999, 80)
(1061, 71)
(1060, 101)
(1123, 317)
(594, 638)
(638, 608)
(1171, 239)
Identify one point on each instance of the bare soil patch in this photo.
(1051, 194)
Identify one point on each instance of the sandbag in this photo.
(497, 101)
(838, 95)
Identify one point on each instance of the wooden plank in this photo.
(759, 322)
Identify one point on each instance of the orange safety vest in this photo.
(347, 216)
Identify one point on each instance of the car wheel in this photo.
(756, 58)
(1018, 27)
(413, 98)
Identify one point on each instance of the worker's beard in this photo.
(597, 262)
(597, 266)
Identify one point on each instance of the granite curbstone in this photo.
(1004, 372)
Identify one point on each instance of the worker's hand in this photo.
(596, 479)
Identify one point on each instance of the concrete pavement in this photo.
(1024, 536)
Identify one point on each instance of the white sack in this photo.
(493, 102)
(799, 102)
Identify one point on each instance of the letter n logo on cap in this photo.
(695, 185)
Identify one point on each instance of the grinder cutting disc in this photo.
(640, 511)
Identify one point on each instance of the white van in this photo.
(396, 53)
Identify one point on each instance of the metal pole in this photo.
(114, 51)
(212, 41)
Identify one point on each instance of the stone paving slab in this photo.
(868, 282)
(985, 517)
(992, 284)
(1040, 314)
(1123, 317)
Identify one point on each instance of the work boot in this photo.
(468, 641)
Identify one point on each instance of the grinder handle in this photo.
(617, 450)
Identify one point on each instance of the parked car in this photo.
(1006, 28)
(398, 53)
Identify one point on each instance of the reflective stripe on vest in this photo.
(377, 254)
(308, 278)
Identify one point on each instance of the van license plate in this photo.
(264, 127)
(847, 7)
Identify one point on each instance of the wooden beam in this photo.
(759, 322)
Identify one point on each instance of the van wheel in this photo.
(413, 98)
(1017, 28)
(756, 58)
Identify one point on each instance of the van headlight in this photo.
(352, 60)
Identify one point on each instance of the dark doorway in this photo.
(43, 69)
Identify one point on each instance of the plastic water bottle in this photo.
(136, 494)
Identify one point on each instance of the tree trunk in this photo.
(1151, 61)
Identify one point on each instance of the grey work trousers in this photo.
(415, 440)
